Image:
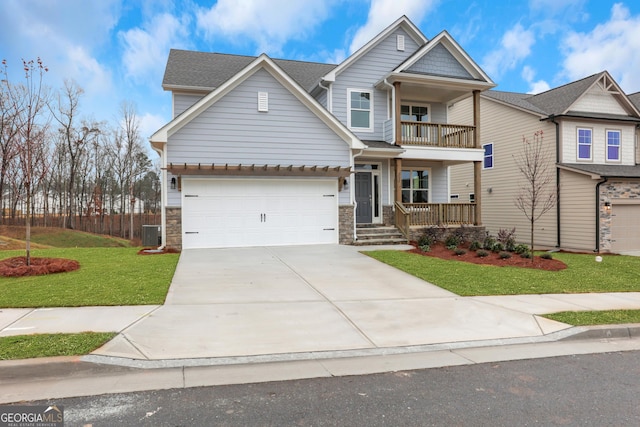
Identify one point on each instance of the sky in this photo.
(116, 50)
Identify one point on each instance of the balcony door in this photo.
(416, 114)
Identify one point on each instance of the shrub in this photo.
(425, 248)
(459, 251)
(452, 240)
(488, 243)
(526, 255)
(475, 245)
(425, 240)
(482, 253)
(510, 246)
(507, 237)
(504, 255)
(430, 235)
(452, 247)
(546, 255)
(521, 249)
(497, 247)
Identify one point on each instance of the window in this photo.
(415, 113)
(360, 110)
(472, 198)
(488, 156)
(584, 144)
(613, 145)
(415, 186)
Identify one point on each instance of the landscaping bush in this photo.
(497, 247)
(507, 238)
(459, 251)
(526, 255)
(425, 240)
(546, 255)
(475, 245)
(504, 255)
(452, 240)
(482, 253)
(489, 243)
(521, 249)
(430, 236)
(425, 248)
(452, 247)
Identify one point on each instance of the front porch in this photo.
(408, 215)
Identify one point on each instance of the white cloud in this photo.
(383, 12)
(147, 47)
(537, 86)
(515, 46)
(149, 123)
(611, 46)
(267, 23)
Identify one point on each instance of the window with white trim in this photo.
(487, 160)
(360, 114)
(585, 139)
(613, 145)
(415, 186)
(472, 197)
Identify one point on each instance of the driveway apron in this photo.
(292, 299)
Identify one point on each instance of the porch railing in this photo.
(425, 214)
(437, 135)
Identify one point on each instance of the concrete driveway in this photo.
(273, 300)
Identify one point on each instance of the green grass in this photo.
(107, 276)
(614, 274)
(64, 238)
(589, 318)
(49, 345)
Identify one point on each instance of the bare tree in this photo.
(538, 194)
(29, 100)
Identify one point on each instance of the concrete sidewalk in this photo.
(248, 307)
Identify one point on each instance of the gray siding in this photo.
(182, 101)
(233, 131)
(439, 61)
(364, 73)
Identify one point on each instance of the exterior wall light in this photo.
(173, 183)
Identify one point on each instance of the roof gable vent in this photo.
(263, 101)
(400, 42)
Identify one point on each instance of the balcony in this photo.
(426, 214)
(437, 135)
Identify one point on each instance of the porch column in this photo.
(398, 180)
(398, 114)
(477, 166)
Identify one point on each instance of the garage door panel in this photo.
(229, 213)
(625, 227)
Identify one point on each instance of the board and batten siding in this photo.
(577, 214)
(233, 131)
(364, 73)
(505, 127)
(569, 132)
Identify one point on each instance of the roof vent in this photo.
(263, 101)
(400, 42)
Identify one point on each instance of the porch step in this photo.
(370, 234)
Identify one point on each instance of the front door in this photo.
(364, 213)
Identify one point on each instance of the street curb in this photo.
(631, 330)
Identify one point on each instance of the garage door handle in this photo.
(191, 232)
(263, 217)
(328, 229)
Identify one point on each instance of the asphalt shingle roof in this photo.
(610, 171)
(207, 70)
(635, 99)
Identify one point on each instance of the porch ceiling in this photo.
(435, 88)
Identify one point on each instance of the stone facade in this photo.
(470, 232)
(388, 215)
(174, 228)
(345, 224)
(609, 193)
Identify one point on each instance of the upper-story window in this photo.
(585, 138)
(487, 162)
(360, 116)
(613, 145)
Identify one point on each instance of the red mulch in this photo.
(439, 250)
(17, 266)
(155, 251)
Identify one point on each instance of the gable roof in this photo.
(597, 171)
(635, 99)
(445, 40)
(266, 63)
(402, 22)
(558, 101)
(205, 71)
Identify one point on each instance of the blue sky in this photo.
(116, 50)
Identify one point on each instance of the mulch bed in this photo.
(17, 266)
(439, 250)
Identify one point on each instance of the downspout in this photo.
(352, 193)
(597, 249)
(163, 196)
(558, 233)
(329, 100)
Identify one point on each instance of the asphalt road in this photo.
(585, 390)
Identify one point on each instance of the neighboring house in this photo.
(590, 129)
(265, 151)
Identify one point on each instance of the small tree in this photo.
(538, 194)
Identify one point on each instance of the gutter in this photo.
(163, 194)
(329, 100)
(558, 234)
(605, 179)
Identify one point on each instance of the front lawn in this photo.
(107, 276)
(589, 318)
(50, 345)
(615, 273)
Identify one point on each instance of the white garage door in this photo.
(625, 227)
(258, 212)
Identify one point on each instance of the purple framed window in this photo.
(613, 145)
(584, 144)
(488, 156)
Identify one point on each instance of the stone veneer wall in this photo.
(345, 224)
(609, 192)
(388, 215)
(470, 232)
(174, 228)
